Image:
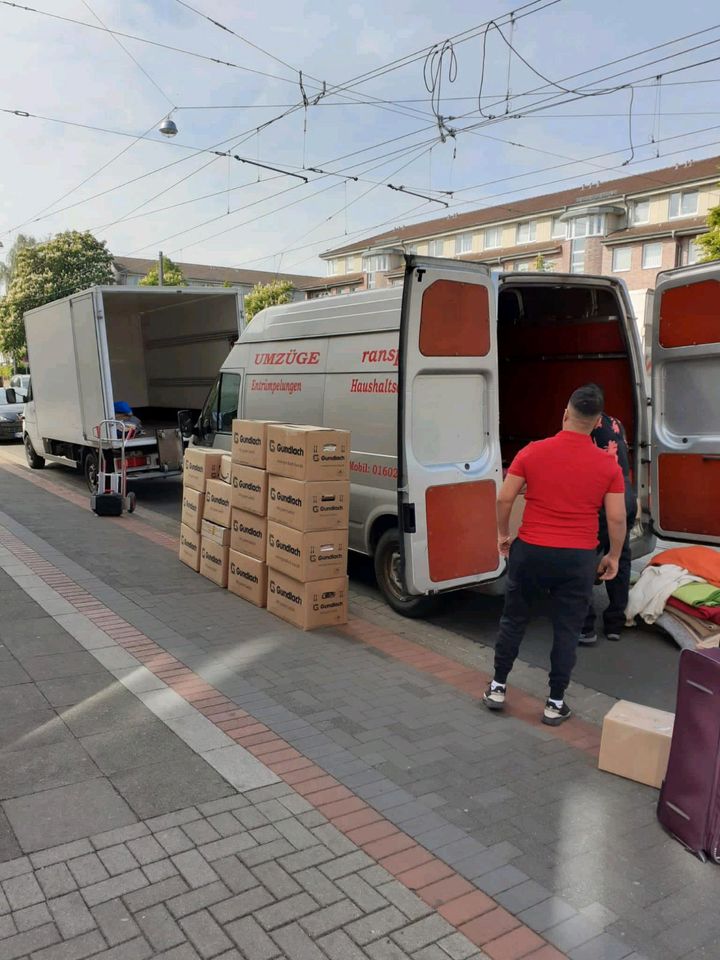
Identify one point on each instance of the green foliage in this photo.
(172, 276)
(265, 295)
(7, 269)
(710, 241)
(42, 272)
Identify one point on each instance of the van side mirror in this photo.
(10, 395)
(185, 422)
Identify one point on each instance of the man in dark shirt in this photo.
(567, 479)
(610, 436)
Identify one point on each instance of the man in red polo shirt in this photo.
(567, 479)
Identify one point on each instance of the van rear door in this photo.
(448, 426)
(686, 404)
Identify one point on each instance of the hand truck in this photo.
(111, 496)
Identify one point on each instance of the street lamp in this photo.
(168, 128)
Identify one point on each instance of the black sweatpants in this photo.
(619, 587)
(568, 576)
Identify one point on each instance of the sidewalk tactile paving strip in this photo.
(481, 919)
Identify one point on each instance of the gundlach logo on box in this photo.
(285, 594)
(239, 527)
(221, 501)
(212, 557)
(241, 572)
(285, 498)
(285, 547)
(246, 485)
(241, 438)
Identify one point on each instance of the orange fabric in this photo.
(703, 562)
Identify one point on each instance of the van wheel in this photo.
(34, 461)
(389, 578)
(90, 469)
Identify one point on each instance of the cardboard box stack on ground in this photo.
(199, 466)
(636, 742)
(307, 530)
(247, 576)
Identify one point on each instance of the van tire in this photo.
(35, 462)
(387, 560)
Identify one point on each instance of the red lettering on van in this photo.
(288, 358)
(391, 356)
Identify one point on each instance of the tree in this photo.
(710, 241)
(69, 262)
(172, 276)
(267, 295)
(7, 269)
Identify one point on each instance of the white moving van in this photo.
(443, 379)
(157, 348)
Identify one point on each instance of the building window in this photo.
(683, 204)
(377, 264)
(525, 232)
(652, 256)
(492, 238)
(690, 252)
(640, 211)
(577, 255)
(621, 259)
(411, 248)
(463, 243)
(591, 226)
(523, 266)
(349, 264)
(559, 229)
(333, 267)
(436, 248)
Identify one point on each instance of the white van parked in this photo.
(443, 379)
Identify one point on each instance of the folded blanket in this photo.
(699, 594)
(648, 597)
(711, 614)
(703, 562)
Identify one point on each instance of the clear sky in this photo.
(64, 71)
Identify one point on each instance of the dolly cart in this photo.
(111, 496)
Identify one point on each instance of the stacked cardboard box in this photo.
(307, 524)
(248, 534)
(201, 466)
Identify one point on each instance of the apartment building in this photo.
(631, 227)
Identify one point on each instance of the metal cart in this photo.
(111, 496)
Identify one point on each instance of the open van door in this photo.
(685, 495)
(448, 426)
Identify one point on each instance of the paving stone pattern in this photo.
(523, 816)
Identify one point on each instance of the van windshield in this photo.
(221, 406)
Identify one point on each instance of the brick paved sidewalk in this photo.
(498, 833)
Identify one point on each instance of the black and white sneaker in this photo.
(494, 696)
(613, 636)
(588, 639)
(556, 712)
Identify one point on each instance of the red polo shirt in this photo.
(567, 478)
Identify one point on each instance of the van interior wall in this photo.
(552, 340)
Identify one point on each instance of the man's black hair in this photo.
(588, 401)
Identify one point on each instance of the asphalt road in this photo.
(641, 668)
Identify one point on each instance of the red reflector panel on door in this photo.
(461, 529)
(689, 494)
(455, 320)
(690, 315)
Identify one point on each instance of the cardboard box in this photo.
(249, 442)
(248, 534)
(200, 465)
(214, 561)
(308, 453)
(217, 503)
(249, 489)
(322, 603)
(320, 555)
(190, 547)
(216, 533)
(225, 467)
(636, 742)
(247, 578)
(193, 502)
(320, 505)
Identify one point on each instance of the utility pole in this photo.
(160, 269)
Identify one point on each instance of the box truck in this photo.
(443, 379)
(158, 349)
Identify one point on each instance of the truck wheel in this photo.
(34, 461)
(90, 469)
(389, 579)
